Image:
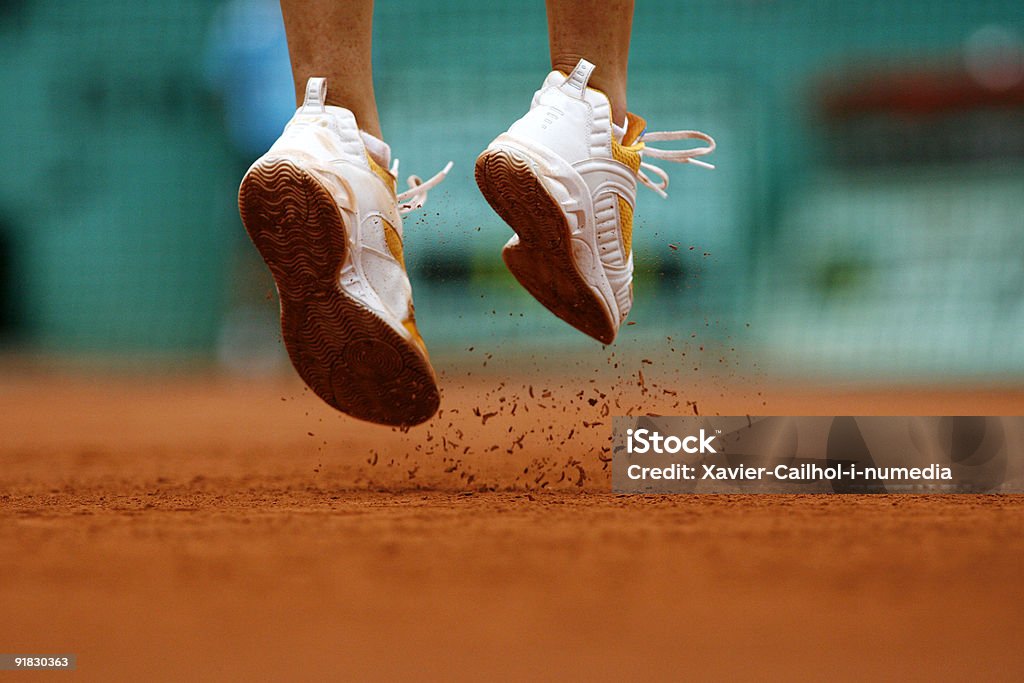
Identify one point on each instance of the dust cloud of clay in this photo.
(515, 422)
(530, 423)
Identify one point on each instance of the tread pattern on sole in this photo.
(345, 353)
(542, 262)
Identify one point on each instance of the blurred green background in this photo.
(866, 218)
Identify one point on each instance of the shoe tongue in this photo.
(377, 148)
(636, 126)
(619, 131)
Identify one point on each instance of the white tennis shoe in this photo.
(322, 209)
(566, 184)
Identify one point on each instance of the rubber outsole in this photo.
(344, 352)
(542, 262)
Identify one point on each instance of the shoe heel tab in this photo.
(576, 83)
(316, 96)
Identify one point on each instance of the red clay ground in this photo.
(188, 528)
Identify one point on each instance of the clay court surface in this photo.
(201, 528)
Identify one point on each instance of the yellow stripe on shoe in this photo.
(382, 173)
(627, 153)
(394, 242)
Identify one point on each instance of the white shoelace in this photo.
(416, 196)
(681, 156)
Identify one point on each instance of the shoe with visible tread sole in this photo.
(564, 178)
(541, 257)
(325, 217)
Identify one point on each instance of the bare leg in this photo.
(602, 37)
(333, 39)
